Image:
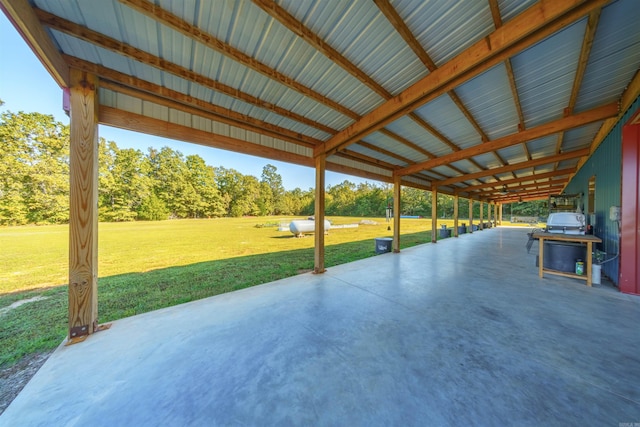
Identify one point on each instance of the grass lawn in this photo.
(145, 266)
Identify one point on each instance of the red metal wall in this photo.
(629, 280)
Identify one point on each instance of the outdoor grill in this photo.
(566, 223)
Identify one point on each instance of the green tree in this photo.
(171, 181)
(34, 169)
(241, 191)
(274, 196)
(414, 201)
(126, 183)
(207, 200)
(341, 199)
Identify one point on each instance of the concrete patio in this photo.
(455, 333)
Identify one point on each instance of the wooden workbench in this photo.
(575, 238)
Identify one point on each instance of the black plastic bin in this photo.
(383, 244)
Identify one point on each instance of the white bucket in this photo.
(596, 271)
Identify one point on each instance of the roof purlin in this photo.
(576, 120)
(531, 26)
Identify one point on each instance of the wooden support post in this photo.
(490, 214)
(83, 205)
(500, 214)
(481, 225)
(455, 215)
(396, 213)
(319, 215)
(470, 229)
(434, 214)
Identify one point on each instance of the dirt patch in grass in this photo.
(14, 378)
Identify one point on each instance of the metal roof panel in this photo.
(615, 55)
(445, 116)
(446, 28)
(489, 100)
(544, 74)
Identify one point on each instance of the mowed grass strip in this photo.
(145, 266)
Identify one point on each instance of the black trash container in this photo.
(383, 244)
(444, 232)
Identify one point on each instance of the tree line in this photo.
(163, 184)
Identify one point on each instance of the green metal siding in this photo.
(605, 164)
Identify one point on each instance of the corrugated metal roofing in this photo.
(489, 100)
(545, 72)
(445, 116)
(615, 55)
(359, 34)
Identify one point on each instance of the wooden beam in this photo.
(289, 21)
(397, 192)
(25, 21)
(579, 119)
(517, 166)
(180, 25)
(145, 90)
(470, 229)
(131, 52)
(585, 51)
(319, 215)
(497, 22)
(455, 215)
(533, 177)
(83, 205)
(481, 224)
(401, 27)
(434, 214)
(297, 27)
(524, 187)
(139, 123)
(531, 26)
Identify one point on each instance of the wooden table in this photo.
(575, 238)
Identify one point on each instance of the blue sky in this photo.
(26, 86)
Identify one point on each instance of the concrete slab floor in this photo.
(460, 332)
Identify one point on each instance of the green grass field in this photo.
(145, 266)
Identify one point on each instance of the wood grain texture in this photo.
(434, 214)
(397, 187)
(319, 215)
(83, 205)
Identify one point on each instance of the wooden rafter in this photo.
(289, 21)
(517, 166)
(133, 86)
(497, 22)
(286, 19)
(405, 32)
(172, 21)
(525, 187)
(580, 119)
(533, 177)
(585, 51)
(140, 55)
(534, 24)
